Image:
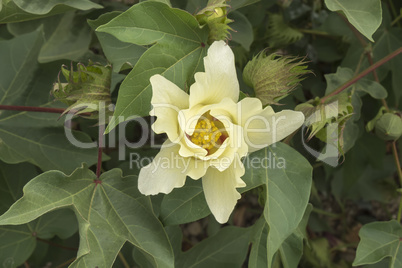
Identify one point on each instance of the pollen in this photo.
(207, 133)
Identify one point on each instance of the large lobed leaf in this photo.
(287, 178)
(177, 54)
(290, 251)
(110, 211)
(66, 36)
(22, 10)
(18, 242)
(228, 248)
(35, 137)
(364, 15)
(380, 240)
(184, 204)
(120, 54)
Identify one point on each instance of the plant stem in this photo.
(362, 74)
(37, 109)
(313, 32)
(66, 263)
(32, 109)
(397, 163)
(326, 213)
(123, 260)
(100, 147)
(384, 102)
(396, 20)
(400, 210)
(394, 13)
(368, 53)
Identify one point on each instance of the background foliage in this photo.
(335, 211)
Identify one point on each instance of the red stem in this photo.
(100, 146)
(32, 109)
(362, 74)
(37, 109)
(368, 53)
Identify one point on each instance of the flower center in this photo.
(209, 133)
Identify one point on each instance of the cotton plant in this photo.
(210, 131)
(181, 69)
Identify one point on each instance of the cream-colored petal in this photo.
(246, 108)
(196, 168)
(235, 147)
(219, 80)
(220, 190)
(189, 149)
(167, 171)
(167, 100)
(266, 128)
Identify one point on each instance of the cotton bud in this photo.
(273, 77)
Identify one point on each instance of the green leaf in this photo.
(243, 31)
(343, 75)
(236, 4)
(375, 89)
(110, 211)
(387, 43)
(12, 179)
(22, 10)
(67, 36)
(318, 254)
(177, 54)
(117, 52)
(175, 237)
(291, 249)
(166, 2)
(337, 79)
(379, 240)
(185, 204)
(287, 178)
(258, 254)
(41, 7)
(14, 238)
(364, 15)
(35, 137)
(228, 248)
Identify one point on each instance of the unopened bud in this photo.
(273, 77)
(389, 127)
(85, 88)
(214, 15)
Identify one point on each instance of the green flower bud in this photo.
(389, 127)
(273, 77)
(217, 14)
(85, 88)
(214, 15)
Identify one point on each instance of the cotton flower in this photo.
(209, 131)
